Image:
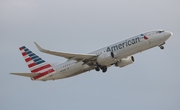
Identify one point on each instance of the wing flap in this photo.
(74, 56)
(26, 74)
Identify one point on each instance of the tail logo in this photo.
(35, 63)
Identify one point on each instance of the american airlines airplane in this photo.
(118, 54)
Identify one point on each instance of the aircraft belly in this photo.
(70, 71)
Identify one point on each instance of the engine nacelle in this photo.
(106, 59)
(125, 61)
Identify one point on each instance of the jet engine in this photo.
(106, 59)
(125, 61)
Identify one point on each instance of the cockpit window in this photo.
(160, 31)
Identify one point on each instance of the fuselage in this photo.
(120, 49)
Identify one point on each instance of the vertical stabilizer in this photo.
(35, 63)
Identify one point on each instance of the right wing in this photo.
(74, 56)
(26, 74)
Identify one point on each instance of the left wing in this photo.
(74, 56)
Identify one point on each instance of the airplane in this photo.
(118, 54)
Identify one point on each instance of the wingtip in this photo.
(39, 48)
(36, 44)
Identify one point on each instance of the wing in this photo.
(74, 56)
(26, 74)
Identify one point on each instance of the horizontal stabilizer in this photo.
(26, 74)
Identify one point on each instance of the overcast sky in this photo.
(151, 83)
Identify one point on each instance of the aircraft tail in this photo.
(35, 63)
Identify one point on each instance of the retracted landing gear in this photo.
(97, 69)
(161, 47)
(103, 68)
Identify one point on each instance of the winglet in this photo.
(39, 48)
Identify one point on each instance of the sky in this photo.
(80, 26)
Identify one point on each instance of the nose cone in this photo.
(168, 34)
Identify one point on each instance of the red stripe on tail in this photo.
(44, 73)
(41, 68)
(24, 53)
(28, 59)
(20, 48)
(31, 65)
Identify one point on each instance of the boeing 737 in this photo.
(118, 54)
